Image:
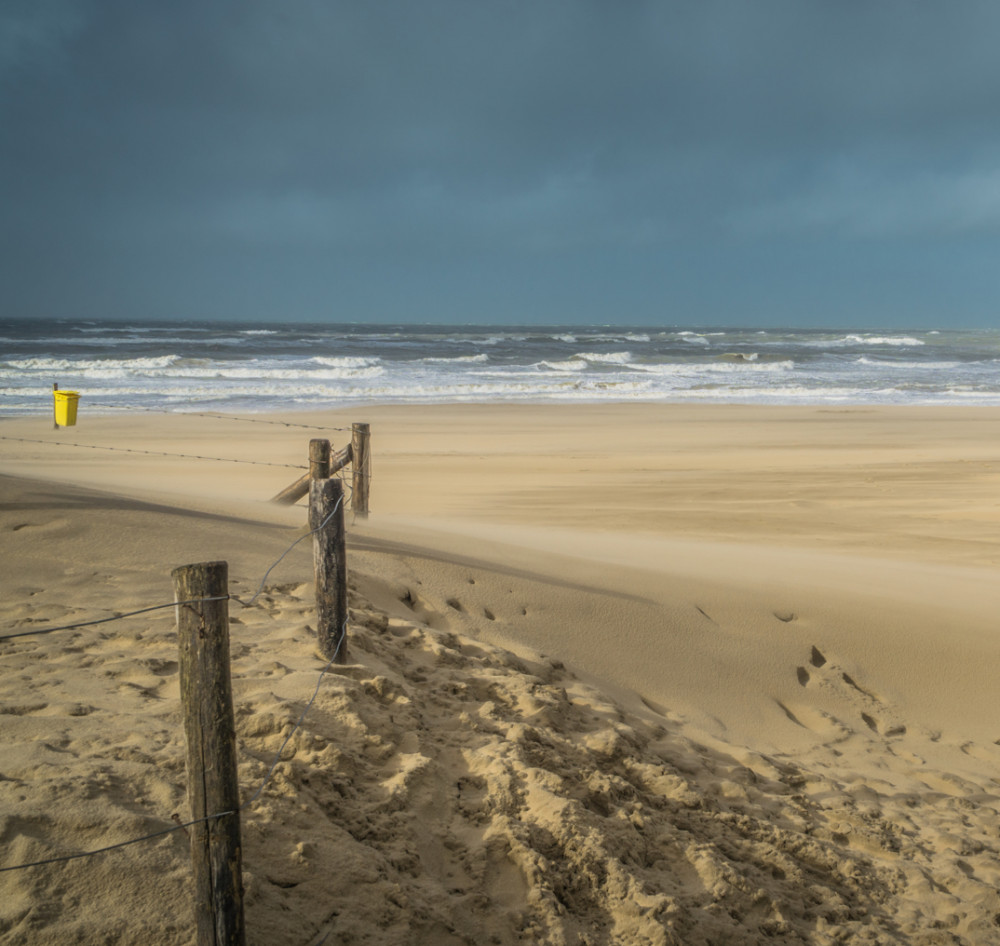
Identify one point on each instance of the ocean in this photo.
(203, 366)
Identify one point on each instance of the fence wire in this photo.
(277, 757)
(183, 825)
(153, 453)
(217, 416)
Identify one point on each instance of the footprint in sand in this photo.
(871, 709)
(983, 753)
(425, 611)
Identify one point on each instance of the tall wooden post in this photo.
(206, 694)
(362, 463)
(55, 423)
(319, 459)
(326, 519)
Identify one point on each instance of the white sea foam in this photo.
(577, 365)
(605, 358)
(91, 365)
(906, 341)
(278, 374)
(479, 359)
(346, 362)
(726, 368)
(909, 365)
(853, 341)
(619, 337)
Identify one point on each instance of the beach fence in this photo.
(201, 602)
(206, 695)
(356, 454)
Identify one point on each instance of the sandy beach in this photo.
(618, 674)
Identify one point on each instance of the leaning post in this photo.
(201, 592)
(326, 520)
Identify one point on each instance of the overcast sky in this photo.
(781, 162)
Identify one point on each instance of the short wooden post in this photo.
(55, 423)
(326, 519)
(206, 695)
(362, 464)
(319, 459)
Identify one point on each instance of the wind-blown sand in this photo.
(630, 674)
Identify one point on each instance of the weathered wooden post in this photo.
(335, 463)
(213, 790)
(362, 462)
(326, 519)
(55, 423)
(319, 459)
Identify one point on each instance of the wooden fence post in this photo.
(206, 694)
(326, 519)
(319, 459)
(362, 464)
(298, 489)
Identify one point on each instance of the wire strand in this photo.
(219, 416)
(154, 453)
(180, 826)
(171, 604)
(277, 756)
(222, 814)
(115, 617)
(263, 581)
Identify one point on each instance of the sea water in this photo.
(192, 366)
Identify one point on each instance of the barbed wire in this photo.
(153, 453)
(219, 416)
(281, 748)
(159, 607)
(112, 847)
(180, 826)
(114, 617)
(277, 561)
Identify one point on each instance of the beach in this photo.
(617, 674)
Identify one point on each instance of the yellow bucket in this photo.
(66, 407)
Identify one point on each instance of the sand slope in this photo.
(565, 734)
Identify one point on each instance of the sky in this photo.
(706, 162)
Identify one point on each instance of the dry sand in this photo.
(631, 674)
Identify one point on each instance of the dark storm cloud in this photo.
(310, 159)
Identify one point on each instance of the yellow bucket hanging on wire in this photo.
(65, 407)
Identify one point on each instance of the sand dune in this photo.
(616, 675)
